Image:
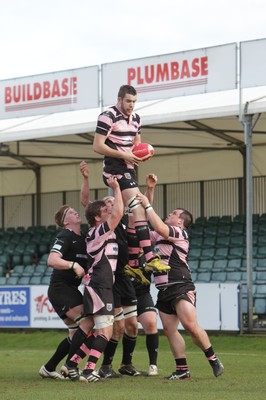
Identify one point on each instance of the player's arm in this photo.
(118, 207)
(56, 261)
(100, 147)
(85, 189)
(151, 182)
(158, 225)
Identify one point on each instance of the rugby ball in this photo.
(143, 150)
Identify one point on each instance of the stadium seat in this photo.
(194, 254)
(261, 264)
(12, 280)
(260, 306)
(261, 252)
(261, 241)
(234, 264)
(205, 265)
(196, 242)
(194, 276)
(221, 253)
(201, 221)
(261, 277)
(210, 230)
(223, 230)
(203, 276)
(236, 252)
(207, 253)
(213, 220)
(24, 280)
(45, 280)
(233, 276)
(225, 220)
(260, 291)
(196, 231)
(17, 270)
(28, 270)
(27, 259)
(209, 242)
(237, 229)
(39, 270)
(222, 241)
(16, 260)
(35, 280)
(219, 265)
(193, 265)
(218, 276)
(244, 276)
(237, 241)
(2, 280)
(239, 219)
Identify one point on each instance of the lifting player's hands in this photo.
(112, 182)
(151, 181)
(143, 199)
(84, 169)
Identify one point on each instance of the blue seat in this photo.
(218, 276)
(236, 252)
(193, 265)
(234, 264)
(207, 253)
(260, 306)
(12, 280)
(45, 280)
(2, 280)
(233, 276)
(24, 280)
(205, 265)
(220, 265)
(35, 280)
(204, 277)
(261, 277)
(17, 270)
(221, 253)
(196, 242)
(194, 254)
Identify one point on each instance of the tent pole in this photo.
(247, 122)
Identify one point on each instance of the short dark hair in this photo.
(187, 217)
(94, 210)
(126, 89)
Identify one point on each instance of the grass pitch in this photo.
(244, 358)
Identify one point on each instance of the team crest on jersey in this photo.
(127, 175)
(109, 306)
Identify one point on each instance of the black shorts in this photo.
(145, 303)
(98, 301)
(124, 292)
(63, 298)
(127, 180)
(168, 298)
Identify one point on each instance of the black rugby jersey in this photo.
(73, 248)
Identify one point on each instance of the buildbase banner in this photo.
(49, 93)
(172, 75)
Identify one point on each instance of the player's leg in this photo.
(187, 314)
(177, 345)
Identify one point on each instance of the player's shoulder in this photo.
(110, 112)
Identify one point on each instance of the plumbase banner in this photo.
(171, 75)
(69, 90)
(253, 63)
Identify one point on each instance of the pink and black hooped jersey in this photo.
(102, 252)
(173, 252)
(120, 131)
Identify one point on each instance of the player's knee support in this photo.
(103, 321)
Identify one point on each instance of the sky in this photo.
(41, 36)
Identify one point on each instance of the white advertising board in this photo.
(48, 93)
(252, 63)
(172, 75)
